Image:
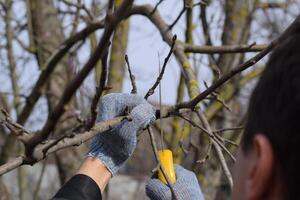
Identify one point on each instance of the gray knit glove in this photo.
(115, 146)
(186, 187)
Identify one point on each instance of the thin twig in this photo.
(207, 154)
(152, 89)
(226, 140)
(80, 6)
(39, 182)
(219, 141)
(13, 94)
(68, 134)
(181, 140)
(228, 129)
(217, 148)
(156, 6)
(179, 15)
(131, 76)
(15, 128)
(215, 143)
(210, 134)
(216, 96)
(181, 145)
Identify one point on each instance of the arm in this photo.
(110, 150)
(96, 170)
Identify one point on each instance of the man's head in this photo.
(268, 163)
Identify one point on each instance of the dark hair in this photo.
(274, 110)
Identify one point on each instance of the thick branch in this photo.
(241, 67)
(50, 66)
(77, 81)
(72, 140)
(10, 165)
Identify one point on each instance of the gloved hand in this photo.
(186, 187)
(115, 146)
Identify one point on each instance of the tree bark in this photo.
(118, 51)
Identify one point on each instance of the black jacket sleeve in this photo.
(79, 187)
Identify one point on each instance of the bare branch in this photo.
(217, 148)
(15, 128)
(184, 8)
(39, 182)
(77, 81)
(50, 66)
(241, 67)
(211, 134)
(80, 7)
(131, 76)
(228, 129)
(66, 142)
(217, 97)
(207, 154)
(152, 89)
(223, 140)
(187, 69)
(272, 5)
(207, 49)
(11, 164)
(156, 6)
(179, 15)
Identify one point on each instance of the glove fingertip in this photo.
(155, 189)
(143, 115)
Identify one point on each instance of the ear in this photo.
(260, 171)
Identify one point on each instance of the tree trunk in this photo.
(118, 50)
(47, 35)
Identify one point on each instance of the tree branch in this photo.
(54, 116)
(131, 76)
(241, 67)
(50, 66)
(152, 89)
(74, 140)
(207, 49)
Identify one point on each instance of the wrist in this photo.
(108, 158)
(96, 170)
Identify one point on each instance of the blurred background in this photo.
(33, 30)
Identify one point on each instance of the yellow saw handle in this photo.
(166, 159)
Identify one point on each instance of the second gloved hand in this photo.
(115, 146)
(186, 187)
